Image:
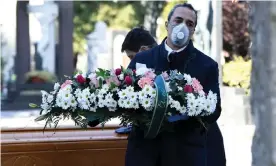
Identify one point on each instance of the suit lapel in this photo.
(161, 62)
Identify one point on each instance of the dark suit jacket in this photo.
(187, 145)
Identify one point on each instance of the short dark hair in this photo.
(187, 5)
(136, 38)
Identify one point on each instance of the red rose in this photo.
(128, 80)
(188, 89)
(118, 71)
(80, 79)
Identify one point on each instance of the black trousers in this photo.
(183, 148)
(215, 147)
(167, 149)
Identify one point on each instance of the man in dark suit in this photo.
(186, 146)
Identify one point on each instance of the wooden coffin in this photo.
(64, 147)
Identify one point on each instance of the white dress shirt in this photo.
(170, 50)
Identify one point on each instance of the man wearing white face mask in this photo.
(187, 144)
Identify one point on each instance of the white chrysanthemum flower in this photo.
(50, 98)
(121, 103)
(101, 103)
(59, 100)
(65, 105)
(170, 99)
(175, 104)
(179, 88)
(122, 94)
(202, 102)
(210, 106)
(109, 96)
(77, 92)
(188, 78)
(86, 93)
(105, 88)
(132, 96)
(67, 88)
(121, 77)
(211, 96)
(56, 86)
(45, 106)
(44, 96)
(83, 98)
(183, 110)
(147, 89)
(92, 98)
(111, 109)
(127, 103)
(152, 93)
(73, 102)
(142, 95)
(129, 89)
(168, 87)
(190, 96)
(147, 104)
(135, 105)
(113, 103)
(191, 104)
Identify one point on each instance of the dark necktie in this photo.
(171, 59)
(172, 56)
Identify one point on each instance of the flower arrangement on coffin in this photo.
(142, 97)
(40, 77)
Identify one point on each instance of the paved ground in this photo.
(237, 139)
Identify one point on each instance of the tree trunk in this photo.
(262, 19)
(153, 11)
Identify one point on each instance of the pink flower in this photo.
(196, 85)
(165, 75)
(114, 80)
(67, 82)
(93, 80)
(150, 74)
(145, 81)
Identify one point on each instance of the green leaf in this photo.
(90, 116)
(68, 77)
(112, 85)
(41, 117)
(100, 82)
(76, 72)
(32, 105)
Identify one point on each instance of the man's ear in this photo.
(192, 31)
(143, 48)
(166, 25)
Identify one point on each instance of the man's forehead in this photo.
(185, 13)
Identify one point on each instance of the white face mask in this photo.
(180, 35)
